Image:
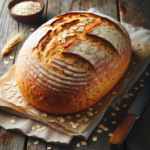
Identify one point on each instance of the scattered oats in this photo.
(86, 22)
(126, 79)
(130, 94)
(90, 114)
(141, 80)
(110, 134)
(32, 29)
(99, 103)
(74, 126)
(71, 31)
(18, 96)
(113, 114)
(13, 121)
(116, 108)
(15, 90)
(78, 115)
(6, 62)
(66, 32)
(105, 119)
(71, 34)
(11, 57)
(64, 35)
(83, 143)
(79, 120)
(44, 114)
(74, 28)
(44, 127)
(36, 142)
(82, 28)
(81, 24)
(133, 62)
(20, 100)
(59, 39)
(94, 138)
(63, 41)
(14, 116)
(78, 145)
(35, 76)
(99, 131)
(141, 85)
(33, 128)
(9, 96)
(62, 120)
(57, 118)
(77, 124)
(79, 30)
(6, 88)
(39, 126)
(136, 88)
(68, 117)
(49, 147)
(101, 126)
(147, 73)
(124, 105)
(114, 93)
(90, 20)
(14, 84)
(86, 119)
(128, 73)
(113, 122)
(105, 129)
(71, 123)
(90, 109)
(96, 112)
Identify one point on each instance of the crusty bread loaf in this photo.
(72, 61)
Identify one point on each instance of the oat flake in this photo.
(141, 85)
(49, 147)
(83, 143)
(11, 57)
(113, 122)
(99, 131)
(147, 73)
(68, 117)
(95, 138)
(110, 134)
(6, 62)
(113, 114)
(36, 142)
(78, 145)
(13, 121)
(33, 128)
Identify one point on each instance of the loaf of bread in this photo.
(72, 61)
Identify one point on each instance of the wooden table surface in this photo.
(136, 12)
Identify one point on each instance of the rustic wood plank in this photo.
(11, 139)
(8, 26)
(40, 146)
(52, 8)
(112, 9)
(53, 146)
(135, 12)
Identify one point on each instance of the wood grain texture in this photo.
(135, 12)
(31, 146)
(11, 140)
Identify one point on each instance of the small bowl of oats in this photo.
(25, 11)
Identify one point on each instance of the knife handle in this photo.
(122, 131)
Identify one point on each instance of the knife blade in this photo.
(133, 113)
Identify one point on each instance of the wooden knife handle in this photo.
(122, 131)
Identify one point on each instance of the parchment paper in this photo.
(24, 109)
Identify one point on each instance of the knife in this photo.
(133, 113)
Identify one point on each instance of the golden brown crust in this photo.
(65, 77)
